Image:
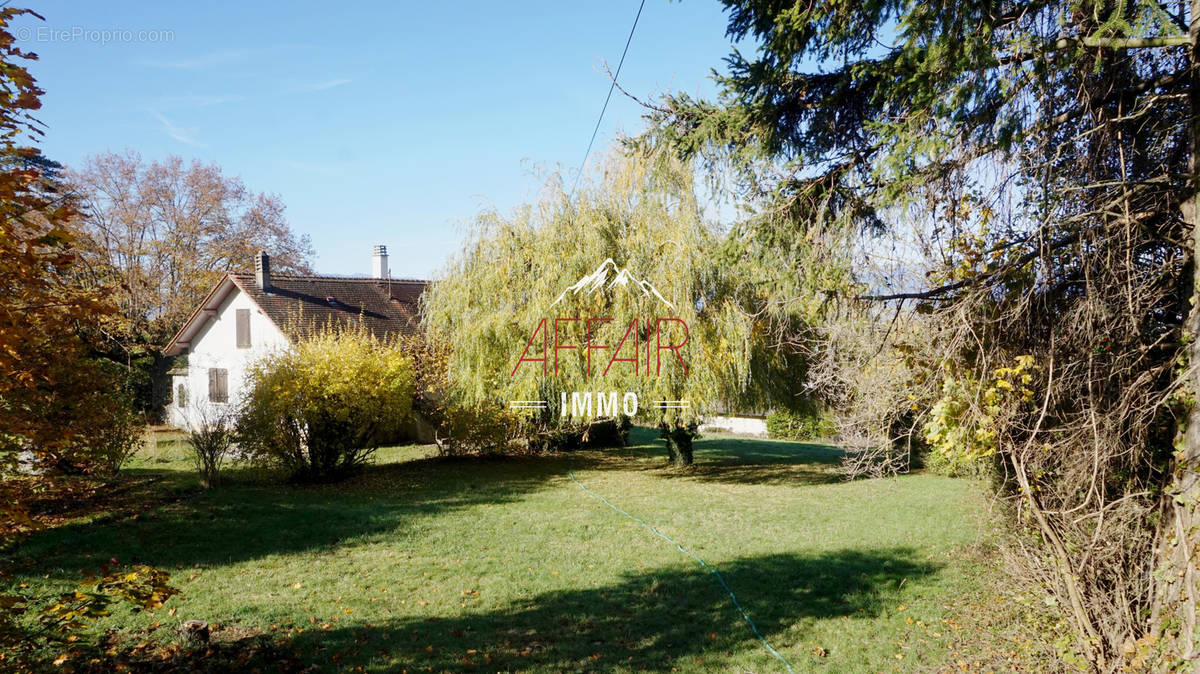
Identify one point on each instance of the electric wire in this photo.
(611, 86)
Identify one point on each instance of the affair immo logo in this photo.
(651, 345)
(608, 276)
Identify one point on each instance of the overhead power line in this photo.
(611, 86)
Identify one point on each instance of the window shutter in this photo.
(218, 385)
(243, 328)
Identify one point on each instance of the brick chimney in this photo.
(262, 270)
(379, 262)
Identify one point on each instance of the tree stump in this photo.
(194, 632)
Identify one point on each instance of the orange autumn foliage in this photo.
(56, 402)
(60, 407)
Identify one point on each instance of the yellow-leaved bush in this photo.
(320, 409)
(961, 429)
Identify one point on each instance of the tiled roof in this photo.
(297, 303)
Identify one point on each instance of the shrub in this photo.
(320, 409)
(805, 421)
(962, 426)
(460, 428)
(81, 423)
(118, 439)
(477, 429)
(554, 435)
(211, 437)
(607, 432)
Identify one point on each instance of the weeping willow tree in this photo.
(575, 302)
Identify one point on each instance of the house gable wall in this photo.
(215, 346)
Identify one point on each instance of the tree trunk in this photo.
(681, 454)
(1176, 602)
(679, 437)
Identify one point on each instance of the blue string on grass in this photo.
(701, 562)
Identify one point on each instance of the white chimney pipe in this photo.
(379, 262)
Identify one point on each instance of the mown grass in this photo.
(507, 564)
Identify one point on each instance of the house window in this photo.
(181, 396)
(218, 385)
(243, 328)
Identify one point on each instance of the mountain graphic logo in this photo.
(608, 276)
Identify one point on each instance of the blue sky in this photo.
(387, 123)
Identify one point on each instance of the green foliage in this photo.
(611, 432)
(804, 421)
(961, 429)
(462, 427)
(484, 428)
(466, 427)
(599, 432)
(319, 409)
(142, 367)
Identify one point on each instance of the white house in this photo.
(247, 316)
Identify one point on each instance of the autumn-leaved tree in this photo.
(164, 231)
(58, 405)
(55, 400)
(628, 265)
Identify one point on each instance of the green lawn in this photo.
(466, 565)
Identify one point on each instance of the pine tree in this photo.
(1052, 148)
